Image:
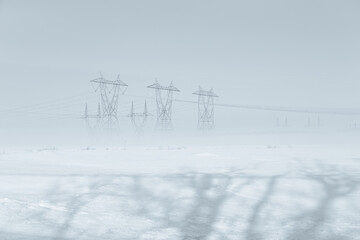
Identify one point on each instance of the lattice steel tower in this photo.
(205, 108)
(109, 97)
(138, 120)
(164, 105)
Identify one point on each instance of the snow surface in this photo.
(252, 192)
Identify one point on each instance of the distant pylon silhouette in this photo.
(138, 120)
(282, 122)
(87, 117)
(315, 123)
(164, 105)
(205, 108)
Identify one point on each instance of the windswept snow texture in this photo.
(232, 192)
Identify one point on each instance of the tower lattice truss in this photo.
(164, 100)
(205, 108)
(107, 117)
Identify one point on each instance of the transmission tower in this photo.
(205, 108)
(138, 120)
(109, 97)
(164, 105)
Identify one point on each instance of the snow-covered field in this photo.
(251, 192)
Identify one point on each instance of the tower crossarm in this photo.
(158, 86)
(117, 82)
(201, 92)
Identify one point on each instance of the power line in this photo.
(284, 109)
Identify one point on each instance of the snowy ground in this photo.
(252, 192)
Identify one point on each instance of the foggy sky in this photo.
(281, 52)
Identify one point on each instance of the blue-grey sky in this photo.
(281, 52)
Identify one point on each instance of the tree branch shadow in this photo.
(190, 206)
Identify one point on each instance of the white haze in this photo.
(296, 54)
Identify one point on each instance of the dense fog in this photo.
(179, 120)
(275, 55)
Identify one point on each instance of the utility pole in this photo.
(109, 98)
(164, 105)
(138, 120)
(205, 108)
